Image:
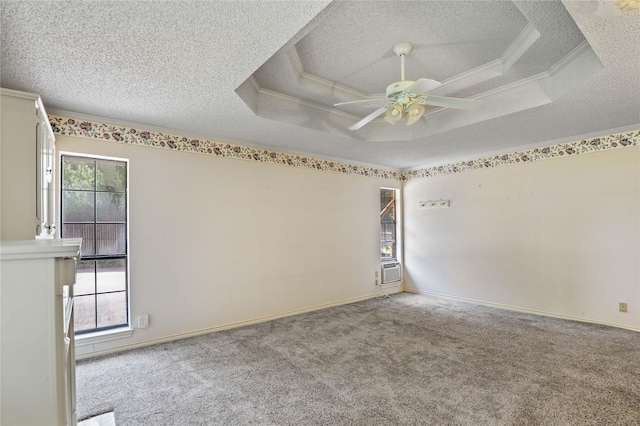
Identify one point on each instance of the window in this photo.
(388, 249)
(94, 208)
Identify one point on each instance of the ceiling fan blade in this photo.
(446, 102)
(364, 100)
(423, 85)
(368, 118)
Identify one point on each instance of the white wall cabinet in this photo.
(37, 347)
(27, 175)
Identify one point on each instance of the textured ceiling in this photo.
(353, 46)
(267, 73)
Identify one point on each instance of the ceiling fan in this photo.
(407, 98)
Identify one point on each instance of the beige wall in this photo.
(218, 241)
(558, 236)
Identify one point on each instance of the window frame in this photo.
(111, 330)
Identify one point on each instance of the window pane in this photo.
(78, 173)
(85, 278)
(387, 223)
(386, 195)
(112, 309)
(111, 207)
(387, 232)
(78, 206)
(112, 275)
(388, 250)
(111, 176)
(111, 239)
(84, 312)
(94, 208)
(84, 231)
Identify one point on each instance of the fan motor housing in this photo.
(398, 87)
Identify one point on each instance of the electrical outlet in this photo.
(143, 321)
(622, 307)
(376, 275)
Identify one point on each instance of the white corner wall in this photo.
(217, 242)
(558, 236)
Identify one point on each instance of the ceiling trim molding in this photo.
(540, 89)
(322, 86)
(66, 126)
(533, 91)
(528, 83)
(249, 91)
(498, 67)
(297, 101)
(570, 57)
(254, 84)
(584, 146)
(520, 45)
(572, 70)
(492, 69)
(530, 92)
(474, 76)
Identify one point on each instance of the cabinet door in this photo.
(51, 184)
(40, 178)
(45, 196)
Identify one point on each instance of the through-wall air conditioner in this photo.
(390, 272)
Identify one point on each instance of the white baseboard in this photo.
(516, 308)
(398, 289)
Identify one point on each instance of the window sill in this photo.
(103, 336)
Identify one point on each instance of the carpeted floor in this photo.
(406, 360)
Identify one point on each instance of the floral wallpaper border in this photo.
(619, 140)
(129, 135)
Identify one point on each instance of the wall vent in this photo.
(390, 272)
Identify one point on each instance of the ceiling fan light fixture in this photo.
(607, 8)
(414, 112)
(628, 5)
(407, 98)
(394, 113)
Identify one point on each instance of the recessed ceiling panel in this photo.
(511, 56)
(354, 45)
